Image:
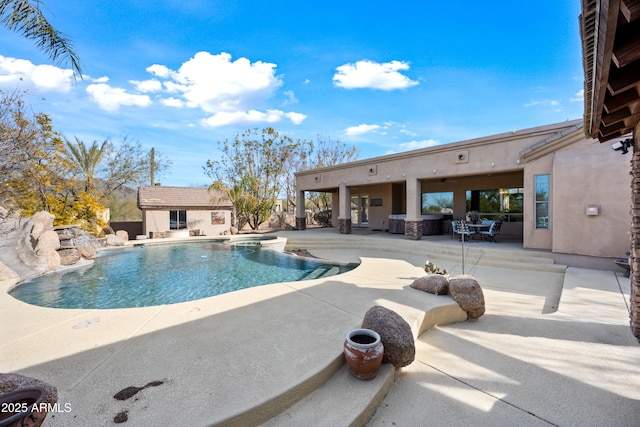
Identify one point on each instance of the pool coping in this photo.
(80, 350)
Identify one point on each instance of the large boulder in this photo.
(51, 259)
(114, 240)
(47, 240)
(437, 284)
(69, 256)
(27, 242)
(466, 291)
(396, 335)
(39, 223)
(87, 251)
(123, 235)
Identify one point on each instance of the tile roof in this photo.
(159, 197)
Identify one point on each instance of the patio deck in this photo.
(243, 357)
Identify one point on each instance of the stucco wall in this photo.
(158, 220)
(591, 175)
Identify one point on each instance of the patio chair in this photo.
(460, 227)
(493, 231)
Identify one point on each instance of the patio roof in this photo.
(610, 31)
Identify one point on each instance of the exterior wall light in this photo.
(622, 146)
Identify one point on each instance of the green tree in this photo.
(86, 160)
(250, 171)
(327, 152)
(26, 17)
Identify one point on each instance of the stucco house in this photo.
(568, 194)
(177, 211)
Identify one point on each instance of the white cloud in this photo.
(231, 91)
(172, 102)
(554, 104)
(103, 79)
(111, 98)
(578, 97)
(225, 118)
(373, 75)
(42, 78)
(159, 70)
(414, 145)
(215, 84)
(408, 132)
(361, 129)
(151, 85)
(291, 97)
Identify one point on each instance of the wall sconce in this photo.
(622, 146)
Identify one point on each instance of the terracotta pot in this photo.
(363, 350)
(20, 404)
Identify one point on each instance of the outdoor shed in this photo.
(183, 211)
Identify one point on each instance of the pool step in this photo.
(344, 400)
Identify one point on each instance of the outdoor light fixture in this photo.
(622, 146)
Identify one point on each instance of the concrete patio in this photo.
(554, 347)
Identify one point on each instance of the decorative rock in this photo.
(113, 240)
(40, 222)
(397, 338)
(123, 235)
(466, 291)
(51, 258)
(48, 240)
(69, 256)
(87, 252)
(433, 283)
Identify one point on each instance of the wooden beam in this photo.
(630, 9)
(614, 128)
(620, 101)
(627, 45)
(621, 80)
(617, 116)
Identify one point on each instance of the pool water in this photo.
(151, 275)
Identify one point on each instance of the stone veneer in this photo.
(344, 225)
(301, 223)
(634, 258)
(413, 229)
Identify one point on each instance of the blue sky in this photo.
(182, 75)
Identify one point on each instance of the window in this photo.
(542, 202)
(500, 203)
(441, 203)
(177, 220)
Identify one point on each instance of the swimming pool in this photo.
(149, 275)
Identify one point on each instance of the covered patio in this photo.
(534, 172)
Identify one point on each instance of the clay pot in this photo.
(363, 350)
(20, 404)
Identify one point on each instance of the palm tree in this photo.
(86, 160)
(25, 17)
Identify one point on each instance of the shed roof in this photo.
(159, 197)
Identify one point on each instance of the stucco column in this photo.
(344, 216)
(413, 221)
(301, 217)
(459, 204)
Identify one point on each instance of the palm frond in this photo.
(26, 18)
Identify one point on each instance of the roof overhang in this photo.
(610, 32)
